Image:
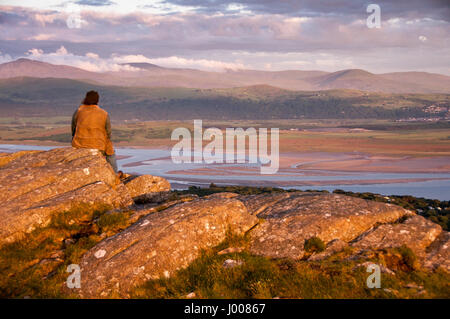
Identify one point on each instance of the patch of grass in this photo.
(241, 190)
(62, 138)
(35, 266)
(113, 222)
(314, 245)
(233, 240)
(408, 256)
(259, 277)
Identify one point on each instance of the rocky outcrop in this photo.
(416, 232)
(147, 187)
(288, 219)
(159, 244)
(438, 253)
(165, 237)
(41, 175)
(42, 183)
(164, 241)
(291, 218)
(5, 158)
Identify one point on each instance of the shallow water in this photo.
(158, 162)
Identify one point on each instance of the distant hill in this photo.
(142, 66)
(355, 79)
(25, 96)
(37, 69)
(150, 75)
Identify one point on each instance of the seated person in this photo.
(91, 128)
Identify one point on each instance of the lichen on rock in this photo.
(147, 187)
(160, 244)
(40, 184)
(166, 233)
(292, 218)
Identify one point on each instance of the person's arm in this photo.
(108, 127)
(74, 123)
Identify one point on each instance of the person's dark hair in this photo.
(91, 98)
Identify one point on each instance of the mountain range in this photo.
(150, 75)
(151, 92)
(43, 97)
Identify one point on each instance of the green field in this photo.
(33, 97)
(371, 136)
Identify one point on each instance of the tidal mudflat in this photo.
(427, 177)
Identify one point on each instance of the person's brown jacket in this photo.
(91, 128)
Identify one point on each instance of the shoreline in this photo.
(298, 183)
(295, 162)
(297, 170)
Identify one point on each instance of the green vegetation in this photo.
(435, 210)
(408, 256)
(137, 133)
(36, 120)
(432, 209)
(258, 277)
(314, 245)
(60, 97)
(400, 126)
(61, 138)
(242, 190)
(324, 135)
(36, 265)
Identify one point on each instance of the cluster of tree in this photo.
(228, 108)
(60, 97)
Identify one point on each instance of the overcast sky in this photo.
(99, 35)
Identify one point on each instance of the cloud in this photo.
(95, 3)
(89, 62)
(179, 62)
(202, 64)
(5, 58)
(436, 9)
(41, 37)
(92, 55)
(44, 19)
(35, 52)
(290, 34)
(132, 58)
(195, 31)
(116, 62)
